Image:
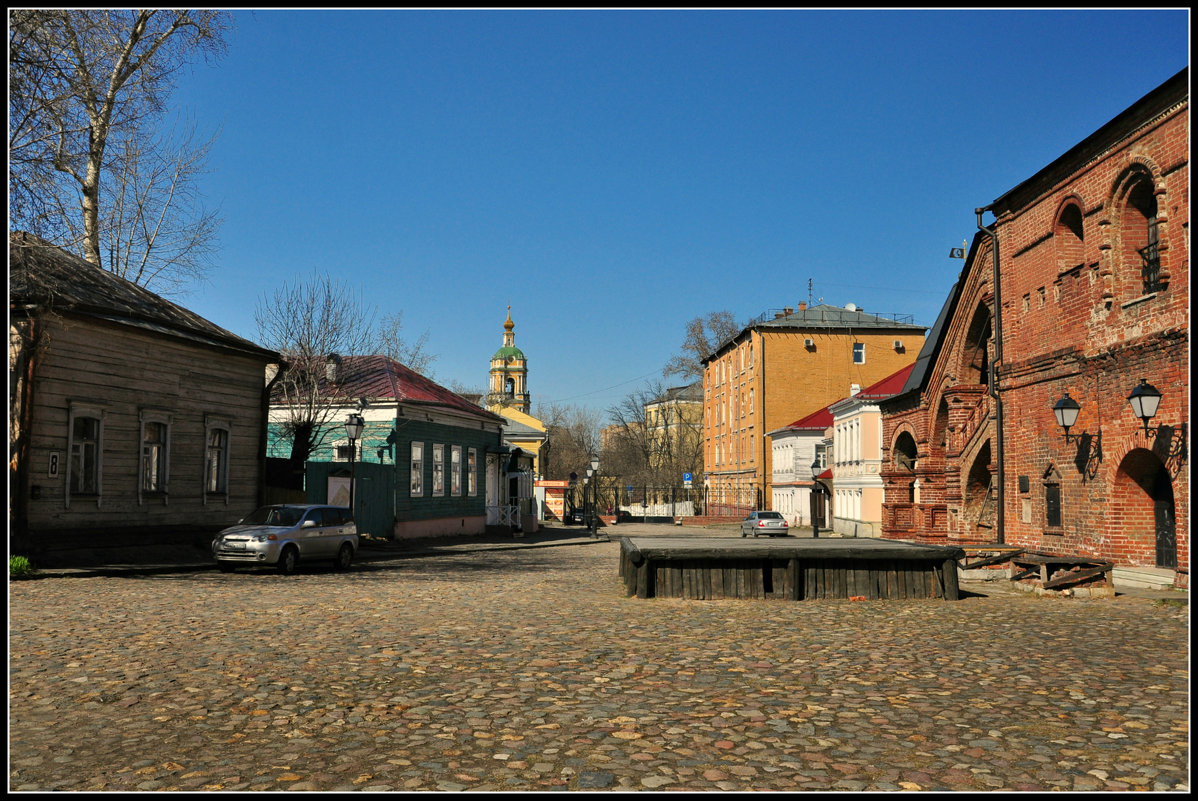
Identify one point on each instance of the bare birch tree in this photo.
(87, 90)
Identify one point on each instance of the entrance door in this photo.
(1166, 521)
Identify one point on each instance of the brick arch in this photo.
(904, 429)
(1136, 194)
(1069, 233)
(1130, 535)
(978, 503)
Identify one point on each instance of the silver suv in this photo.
(283, 534)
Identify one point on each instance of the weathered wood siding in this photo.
(125, 370)
(746, 572)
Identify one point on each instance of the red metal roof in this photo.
(816, 421)
(889, 386)
(382, 378)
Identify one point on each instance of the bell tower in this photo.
(509, 373)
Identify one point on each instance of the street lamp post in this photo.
(816, 469)
(594, 472)
(353, 430)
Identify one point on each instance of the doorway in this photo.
(1165, 518)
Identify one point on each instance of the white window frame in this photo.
(438, 470)
(472, 472)
(416, 470)
(455, 470)
(858, 348)
(147, 418)
(96, 413)
(224, 426)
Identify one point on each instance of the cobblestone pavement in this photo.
(529, 669)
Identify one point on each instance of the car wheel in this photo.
(225, 567)
(344, 556)
(287, 561)
(742, 533)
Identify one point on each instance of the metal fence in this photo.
(650, 501)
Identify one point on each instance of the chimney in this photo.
(802, 305)
(332, 368)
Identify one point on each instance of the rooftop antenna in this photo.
(809, 303)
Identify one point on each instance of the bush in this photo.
(20, 567)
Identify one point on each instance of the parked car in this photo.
(282, 535)
(576, 516)
(760, 522)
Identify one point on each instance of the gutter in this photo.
(1000, 523)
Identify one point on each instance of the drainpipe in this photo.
(22, 488)
(994, 393)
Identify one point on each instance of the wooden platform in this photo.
(788, 568)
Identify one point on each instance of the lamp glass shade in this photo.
(353, 427)
(595, 463)
(1066, 411)
(1144, 400)
(816, 468)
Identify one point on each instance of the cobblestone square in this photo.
(529, 669)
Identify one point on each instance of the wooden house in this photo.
(131, 419)
(426, 463)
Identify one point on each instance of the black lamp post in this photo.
(595, 495)
(816, 469)
(353, 430)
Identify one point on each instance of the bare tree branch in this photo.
(703, 335)
(308, 321)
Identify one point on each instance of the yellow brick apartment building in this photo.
(776, 371)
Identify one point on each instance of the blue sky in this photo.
(614, 174)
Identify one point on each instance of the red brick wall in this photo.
(1077, 319)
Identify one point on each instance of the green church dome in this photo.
(508, 353)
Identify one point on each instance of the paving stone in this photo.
(529, 669)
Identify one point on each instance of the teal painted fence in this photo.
(374, 492)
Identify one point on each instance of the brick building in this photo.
(778, 370)
(1093, 256)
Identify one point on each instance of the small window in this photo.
(85, 453)
(1052, 500)
(1052, 505)
(438, 470)
(472, 473)
(216, 458)
(85, 456)
(417, 471)
(153, 457)
(455, 470)
(858, 353)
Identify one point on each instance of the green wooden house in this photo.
(428, 462)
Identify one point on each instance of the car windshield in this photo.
(275, 516)
(769, 515)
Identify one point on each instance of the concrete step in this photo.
(1149, 578)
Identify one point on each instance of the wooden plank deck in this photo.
(794, 569)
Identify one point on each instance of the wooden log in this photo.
(952, 587)
(1074, 578)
